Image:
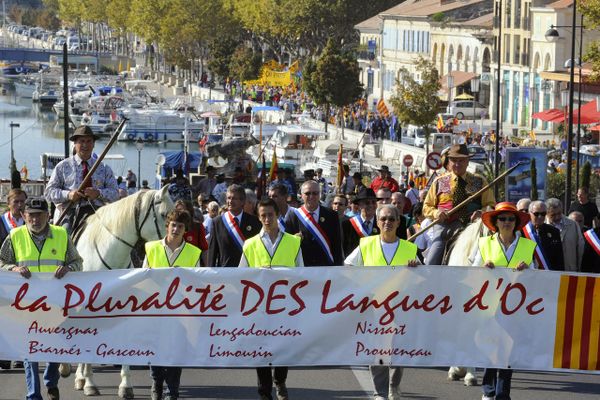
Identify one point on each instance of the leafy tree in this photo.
(245, 65)
(333, 80)
(585, 175)
(416, 101)
(533, 169)
(221, 50)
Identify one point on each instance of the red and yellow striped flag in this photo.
(440, 122)
(577, 341)
(382, 109)
(274, 167)
(340, 168)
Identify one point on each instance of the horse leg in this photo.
(65, 370)
(455, 373)
(90, 388)
(125, 388)
(470, 378)
(79, 378)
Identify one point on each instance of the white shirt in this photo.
(171, 254)
(271, 248)
(508, 252)
(424, 240)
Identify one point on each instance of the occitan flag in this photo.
(532, 135)
(440, 123)
(273, 170)
(382, 108)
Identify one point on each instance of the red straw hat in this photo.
(505, 207)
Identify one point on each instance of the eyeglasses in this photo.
(311, 193)
(391, 219)
(539, 214)
(505, 219)
(524, 210)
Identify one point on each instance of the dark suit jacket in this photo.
(591, 259)
(222, 249)
(552, 247)
(312, 253)
(350, 238)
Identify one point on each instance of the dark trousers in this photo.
(265, 379)
(496, 382)
(170, 375)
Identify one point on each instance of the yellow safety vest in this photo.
(372, 252)
(285, 254)
(491, 250)
(52, 256)
(156, 255)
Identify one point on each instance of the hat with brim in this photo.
(365, 194)
(83, 131)
(36, 205)
(455, 151)
(488, 218)
(384, 168)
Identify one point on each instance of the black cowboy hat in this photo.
(365, 194)
(83, 131)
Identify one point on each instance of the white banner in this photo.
(241, 317)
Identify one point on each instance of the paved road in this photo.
(313, 384)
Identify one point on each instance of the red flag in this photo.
(273, 170)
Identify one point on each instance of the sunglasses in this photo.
(524, 210)
(311, 193)
(505, 219)
(391, 219)
(539, 214)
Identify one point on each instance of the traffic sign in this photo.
(434, 160)
(407, 160)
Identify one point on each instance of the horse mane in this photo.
(465, 244)
(121, 211)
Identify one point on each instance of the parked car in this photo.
(477, 153)
(464, 109)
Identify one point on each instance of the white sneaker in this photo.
(484, 397)
(379, 398)
(394, 393)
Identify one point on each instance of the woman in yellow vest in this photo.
(505, 248)
(172, 251)
(271, 248)
(385, 249)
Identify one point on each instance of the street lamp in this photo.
(552, 35)
(475, 82)
(139, 145)
(13, 165)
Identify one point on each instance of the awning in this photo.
(551, 115)
(460, 78)
(464, 96)
(589, 113)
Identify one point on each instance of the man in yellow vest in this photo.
(385, 249)
(39, 247)
(272, 247)
(172, 251)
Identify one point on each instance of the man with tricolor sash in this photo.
(591, 251)
(230, 230)
(272, 247)
(385, 249)
(319, 228)
(548, 252)
(39, 247)
(361, 225)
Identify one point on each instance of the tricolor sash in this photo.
(538, 252)
(593, 240)
(234, 229)
(359, 226)
(314, 228)
(9, 222)
(281, 223)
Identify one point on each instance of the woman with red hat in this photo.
(505, 248)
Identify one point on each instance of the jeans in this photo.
(496, 382)
(32, 378)
(170, 375)
(265, 379)
(441, 234)
(384, 378)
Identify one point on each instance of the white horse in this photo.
(106, 243)
(463, 248)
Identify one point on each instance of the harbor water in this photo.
(41, 132)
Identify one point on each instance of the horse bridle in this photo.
(138, 226)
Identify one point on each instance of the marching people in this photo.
(359, 186)
(549, 251)
(591, 252)
(505, 248)
(272, 247)
(195, 234)
(206, 185)
(385, 180)
(571, 236)
(171, 251)
(36, 247)
(278, 193)
(361, 225)
(446, 192)
(577, 216)
(588, 208)
(398, 200)
(68, 175)
(230, 230)
(339, 204)
(319, 227)
(385, 249)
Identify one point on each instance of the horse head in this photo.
(155, 208)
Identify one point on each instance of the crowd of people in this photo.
(303, 225)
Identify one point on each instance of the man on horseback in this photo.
(68, 175)
(446, 192)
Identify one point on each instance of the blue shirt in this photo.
(68, 175)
